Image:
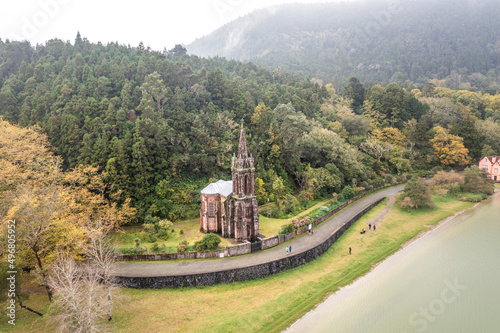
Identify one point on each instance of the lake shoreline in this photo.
(403, 246)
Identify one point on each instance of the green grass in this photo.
(191, 233)
(271, 304)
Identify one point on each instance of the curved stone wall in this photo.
(240, 274)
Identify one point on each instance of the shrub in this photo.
(154, 247)
(163, 234)
(137, 242)
(181, 232)
(149, 227)
(419, 193)
(286, 229)
(303, 198)
(472, 197)
(290, 203)
(209, 242)
(447, 179)
(152, 239)
(133, 250)
(182, 246)
(323, 210)
(347, 192)
(476, 181)
(406, 203)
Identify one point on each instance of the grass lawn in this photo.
(270, 304)
(191, 233)
(270, 226)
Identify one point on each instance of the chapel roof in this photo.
(221, 187)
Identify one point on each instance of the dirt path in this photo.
(376, 221)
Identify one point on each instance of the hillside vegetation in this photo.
(161, 125)
(376, 41)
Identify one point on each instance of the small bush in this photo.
(134, 250)
(152, 239)
(323, 210)
(209, 242)
(181, 232)
(472, 197)
(347, 192)
(154, 247)
(286, 229)
(163, 234)
(406, 203)
(182, 248)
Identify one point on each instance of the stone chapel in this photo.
(230, 208)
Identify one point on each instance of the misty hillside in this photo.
(377, 41)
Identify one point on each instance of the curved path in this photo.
(300, 244)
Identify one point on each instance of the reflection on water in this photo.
(446, 281)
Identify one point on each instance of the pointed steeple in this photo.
(242, 150)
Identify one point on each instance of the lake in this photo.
(446, 281)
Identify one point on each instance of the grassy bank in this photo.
(273, 303)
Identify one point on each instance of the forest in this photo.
(377, 41)
(159, 126)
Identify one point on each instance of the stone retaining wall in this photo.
(270, 242)
(243, 273)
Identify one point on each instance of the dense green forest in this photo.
(162, 124)
(377, 41)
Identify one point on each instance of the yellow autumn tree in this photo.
(52, 210)
(449, 148)
(391, 135)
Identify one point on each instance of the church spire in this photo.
(242, 150)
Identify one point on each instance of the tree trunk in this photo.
(27, 308)
(42, 273)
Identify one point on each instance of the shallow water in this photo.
(446, 281)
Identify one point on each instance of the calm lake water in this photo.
(446, 281)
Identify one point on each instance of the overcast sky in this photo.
(156, 23)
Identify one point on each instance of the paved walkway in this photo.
(300, 244)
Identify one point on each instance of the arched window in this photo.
(211, 209)
(246, 184)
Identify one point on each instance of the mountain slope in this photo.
(376, 41)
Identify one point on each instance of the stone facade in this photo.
(231, 208)
(491, 165)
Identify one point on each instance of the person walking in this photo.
(349, 250)
(374, 227)
(370, 226)
(290, 249)
(286, 249)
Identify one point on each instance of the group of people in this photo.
(364, 231)
(310, 230)
(369, 228)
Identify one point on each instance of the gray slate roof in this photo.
(221, 187)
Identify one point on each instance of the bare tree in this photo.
(99, 250)
(79, 296)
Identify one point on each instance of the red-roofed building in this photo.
(491, 165)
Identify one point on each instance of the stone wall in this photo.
(270, 242)
(238, 250)
(174, 256)
(243, 273)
